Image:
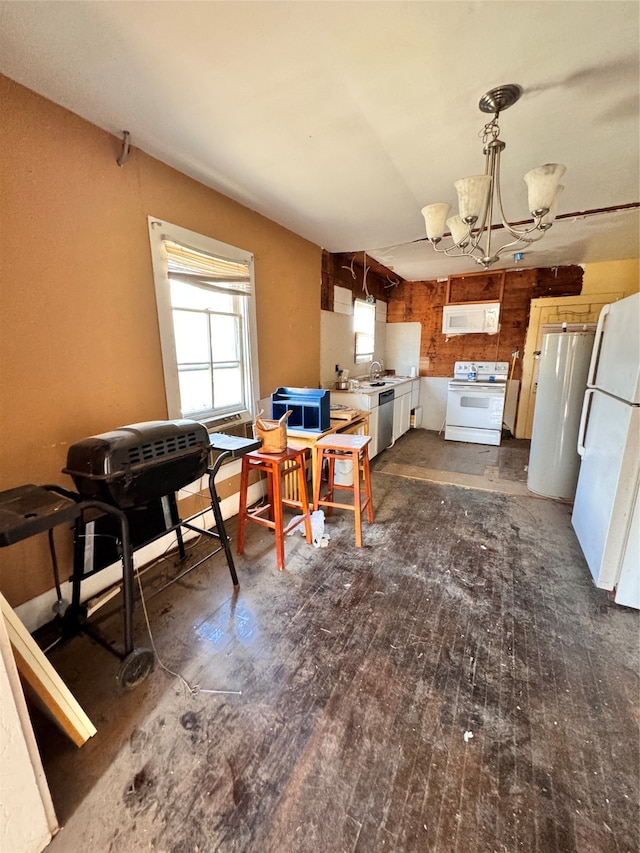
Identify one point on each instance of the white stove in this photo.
(475, 401)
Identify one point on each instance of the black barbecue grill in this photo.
(127, 481)
(137, 469)
(137, 464)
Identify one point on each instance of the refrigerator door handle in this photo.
(584, 417)
(595, 354)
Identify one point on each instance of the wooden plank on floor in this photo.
(453, 478)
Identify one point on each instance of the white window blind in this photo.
(192, 267)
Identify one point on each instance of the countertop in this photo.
(367, 387)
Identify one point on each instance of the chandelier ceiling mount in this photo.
(497, 100)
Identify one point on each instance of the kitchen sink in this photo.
(388, 380)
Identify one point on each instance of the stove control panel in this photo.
(486, 371)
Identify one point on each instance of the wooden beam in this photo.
(39, 674)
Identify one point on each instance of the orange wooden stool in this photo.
(276, 466)
(356, 448)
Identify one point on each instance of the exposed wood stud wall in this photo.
(476, 287)
(422, 301)
(336, 270)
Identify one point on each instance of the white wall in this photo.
(433, 399)
(403, 347)
(337, 346)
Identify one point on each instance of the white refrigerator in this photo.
(606, 509)
(554, 463)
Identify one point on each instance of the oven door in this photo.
(474, 412)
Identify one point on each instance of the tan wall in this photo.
(79, 342)
(612, 276)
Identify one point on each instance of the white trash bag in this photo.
(319, 538)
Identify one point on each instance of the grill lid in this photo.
(139, 462)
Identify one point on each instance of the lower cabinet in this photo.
(373, 432)
(365, 403)
(401, 413)
(415, 393)
(406, 399)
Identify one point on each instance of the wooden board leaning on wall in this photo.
(44, 681)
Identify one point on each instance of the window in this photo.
(364, 326)
(206, 313)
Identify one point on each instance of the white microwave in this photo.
(471, 318)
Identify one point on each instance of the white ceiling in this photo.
(341, 120)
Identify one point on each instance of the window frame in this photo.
(159, 231)
(364, 357)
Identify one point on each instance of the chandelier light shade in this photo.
(458, 229)
(542, 184)
(472, 197)
(550, 215)
(479, 197)
(435, 219)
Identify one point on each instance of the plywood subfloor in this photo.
(500, 469)
(455, 685)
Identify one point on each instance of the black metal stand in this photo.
(28, 510)
(227, 447)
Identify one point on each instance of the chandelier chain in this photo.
(490, 131)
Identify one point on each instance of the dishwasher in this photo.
(385, 419)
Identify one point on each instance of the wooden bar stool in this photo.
(355, 448)
(276, 466)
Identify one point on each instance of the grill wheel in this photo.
(136, 667)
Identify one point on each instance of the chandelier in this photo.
(479, 196)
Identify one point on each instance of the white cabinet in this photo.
(405, 413)
(407, 393)
(415, 393)
(415, 417)
(401, 410)
(365, 403)
(373, 431)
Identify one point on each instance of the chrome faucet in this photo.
(376, 370)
